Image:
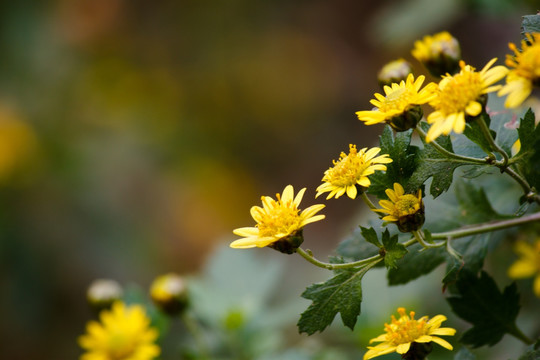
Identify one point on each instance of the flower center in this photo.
(398, 100)
(405, 330)
(407, 204)
(282, 219)
(348, 169)
(458, 91)
(121, 346)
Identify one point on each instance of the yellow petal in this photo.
(445, 344)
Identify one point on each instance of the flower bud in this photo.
(394, 72)
(439, 53)
(102, 293)
(169, 293)
(408, 119)
(288, 244)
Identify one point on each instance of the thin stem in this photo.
(494, 146)
(515, 331)
(529, 192)
(368, 201)
(419, 236)
(306, 254)
(194, 329)
(486, 227)
(450, 154)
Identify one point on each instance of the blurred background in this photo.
(135, 135)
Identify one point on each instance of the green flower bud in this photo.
(408, 119)
(289, 244)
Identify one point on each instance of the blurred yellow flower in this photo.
(277, 220)
(394, 72)
(123, 333)
(398, 101)
(461, 95)
(525, 73)
(352, 170)
(439, 53)
(403, 332)
(405, 210)
(169, 293)
(528, 264)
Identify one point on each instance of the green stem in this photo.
(494, 146)
(530, 194)
(516, 332)
(449, 154)
(418, 237)
(194, 329)
(368, 201)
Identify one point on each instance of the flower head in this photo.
(439, 53)
(279, 222)
(403, 332)
(123, 333)
(405, 210)
(461, 95)
(525, 73)
(394, 72)
(102, 293)
(399, 107)
(352, 170)
(528, 264)
(169, 293)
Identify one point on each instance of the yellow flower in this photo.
(169, 293)
(400, 99)
(278, 222)
(123, 333)
(525, 73)
(528, 263)
(439, 53)
(394, 72)
(403, 332)
(461, 95)
(405, 210)
(352, 170)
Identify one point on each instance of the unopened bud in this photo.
(169, 293)
(439, 53)
(102, 293)
(394, 72)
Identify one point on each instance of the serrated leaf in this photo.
(432, 164)
(415, 264)
(530, 24)
(355, 247)
(529, 154)
(474, 133)
(342, 293)
(474, 204)
(491, 312)
(393, 250)
(371, 236)
(402, 153)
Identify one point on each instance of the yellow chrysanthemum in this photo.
(124, 333)
(525, 73)
(528, 264)
(352, 170)
(399, 99)
(461, 95)
(403, 332)
(405, 210)
(276, 220)
(439, 53)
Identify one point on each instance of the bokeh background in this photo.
(135, 135)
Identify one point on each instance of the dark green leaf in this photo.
(342, 293)
(530, 355)
(464, 354)
(530, 24)
(431, 163)
(371, 236)
(474, 133)
(474, 204)
(393, 249)
(529, 154)
(415, 264)
(400, 169)
(491, 312)
(355, 247)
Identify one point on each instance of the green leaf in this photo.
(355, 247)
(474, 204)
(529, 154)
(530, 24)
(474, 133)
(342, 293)
(393, 250)
(530, 355)
(371, 236)
(432, 164)
(415, 264)
(400, 169)
(491, 312)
